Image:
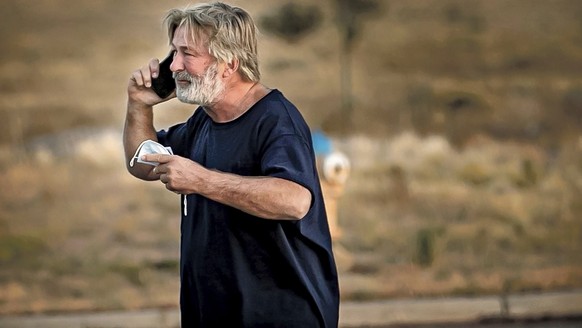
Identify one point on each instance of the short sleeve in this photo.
(173, 138)
(289, 157)
(178, 136)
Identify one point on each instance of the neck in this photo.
(236, 101)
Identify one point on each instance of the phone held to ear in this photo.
(164, 84)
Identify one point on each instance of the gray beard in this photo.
(204, 90)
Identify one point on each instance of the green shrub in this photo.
(292, 21)
(20, 248)
(572, 105)
(131, 272)
(425, 247)
(475, 174)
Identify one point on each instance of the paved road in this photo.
(438, 312)
(460, 310)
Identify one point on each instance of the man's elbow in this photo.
(302, 204)
(140, 172)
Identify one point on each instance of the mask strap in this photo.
(132, 161)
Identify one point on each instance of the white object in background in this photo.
(336, 168)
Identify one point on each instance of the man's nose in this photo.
(177, 64)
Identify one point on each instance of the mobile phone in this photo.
(164, 84)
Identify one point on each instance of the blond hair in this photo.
(228, 32)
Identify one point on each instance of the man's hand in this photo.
(179, 174)
(140, 83)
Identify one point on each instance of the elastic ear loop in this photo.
(132, 161)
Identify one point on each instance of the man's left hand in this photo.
(179, 174)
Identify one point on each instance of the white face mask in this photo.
(149, 147)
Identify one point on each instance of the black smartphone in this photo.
(164, 84)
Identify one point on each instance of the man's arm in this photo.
(264, 197)
(138, 127)
(139, 117)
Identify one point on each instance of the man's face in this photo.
(196, 72)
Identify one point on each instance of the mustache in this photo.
(182, 76)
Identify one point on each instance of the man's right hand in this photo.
(139, 87)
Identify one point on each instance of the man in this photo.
(255, 242)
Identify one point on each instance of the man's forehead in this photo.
(183, 37)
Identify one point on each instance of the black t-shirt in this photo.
(238, 270)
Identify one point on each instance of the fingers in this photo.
(154, 67)
(171, 171)
(163, 176)
(143, 76)
(165, 179)
(158, 158)
(137, 77)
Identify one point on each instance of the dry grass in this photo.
(484, 196)
(460, 222)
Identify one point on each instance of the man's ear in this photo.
(230, 68)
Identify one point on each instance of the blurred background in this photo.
(461, 120)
